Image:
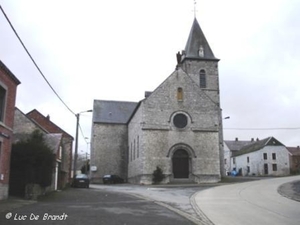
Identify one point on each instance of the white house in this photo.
(267, 157)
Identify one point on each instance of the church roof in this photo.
(197, 41)
(116, 112)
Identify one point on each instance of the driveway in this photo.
(256, 202)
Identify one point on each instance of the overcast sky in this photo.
(116, 50)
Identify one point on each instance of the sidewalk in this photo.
(12, 203)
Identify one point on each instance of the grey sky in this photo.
(116, 50)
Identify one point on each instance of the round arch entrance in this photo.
(180, 162)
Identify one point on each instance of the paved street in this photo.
(174, 197)
(256, 202)
(92, 206)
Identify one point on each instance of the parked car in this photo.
(112, 179)
(81, 180)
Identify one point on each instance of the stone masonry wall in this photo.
(158, 134)
(109, 152)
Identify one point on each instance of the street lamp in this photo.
(76, 141)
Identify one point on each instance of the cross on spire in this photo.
(195, 8)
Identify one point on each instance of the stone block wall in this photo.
(109, 152)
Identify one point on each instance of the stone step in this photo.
(182, 181)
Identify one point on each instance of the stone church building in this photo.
(177, 127)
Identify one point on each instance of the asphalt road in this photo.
(92, 206)
(256, 202)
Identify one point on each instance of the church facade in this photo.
(177, 127)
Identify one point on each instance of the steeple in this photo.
(197, 46)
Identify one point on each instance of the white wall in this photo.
(257, 162)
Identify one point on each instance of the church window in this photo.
(130, 151)
(179, 94)
(134, 149)
(138, 146)
(202, 79)
(180, 120)
(201, 51)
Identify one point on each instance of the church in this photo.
(177, 127)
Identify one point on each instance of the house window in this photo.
(248, 159)
(2, 102)
(225, 161)
(248, 169)
(265, 156)
(179, 94)
(59, 152)
(274, 167)
(274, 156)
(233, 159)
(202, 79)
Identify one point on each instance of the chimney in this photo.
(236, 139)
(48, 117)
(252, 139)
(298, 147)
(257, 139)
(147, 93)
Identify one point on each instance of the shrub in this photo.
(158, 175)
(32, 160)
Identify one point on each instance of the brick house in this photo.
(294, 159)
(8, 90)
(176, 127)
(66, 142)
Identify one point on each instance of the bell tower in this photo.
(199, 62)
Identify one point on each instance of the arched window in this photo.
(202, 79)
(179, 94)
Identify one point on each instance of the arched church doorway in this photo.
(180, 161)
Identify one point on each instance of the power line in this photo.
(278, 128)
(82, 134)
(34, 60)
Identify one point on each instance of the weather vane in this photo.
(195, 8)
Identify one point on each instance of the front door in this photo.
(180, 164)
(266, 170)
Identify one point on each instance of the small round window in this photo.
(180, 120)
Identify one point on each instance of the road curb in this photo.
(181, 213)
(204, 219)
(286, 190)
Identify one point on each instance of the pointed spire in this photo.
(197, 46)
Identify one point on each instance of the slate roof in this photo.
(114, 112)
(294, 150)
(195, 40)
(237, 145)
(52, 140)
(257, 145)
